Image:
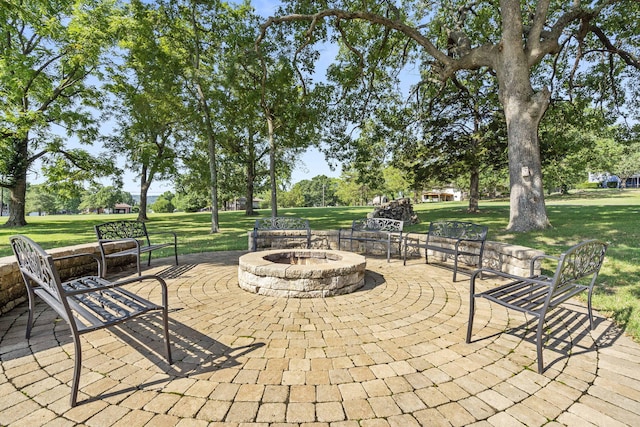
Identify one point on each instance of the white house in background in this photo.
(446, 194)
(632, 182)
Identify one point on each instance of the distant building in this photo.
(122, 208)
(448, 194)
(632, 182)
(240, 204)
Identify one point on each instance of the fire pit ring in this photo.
(301, 273)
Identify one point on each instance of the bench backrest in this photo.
(458, 230)
(281, 223)
(377, 224)
(582, 261)
(124, 229)
(37, 269)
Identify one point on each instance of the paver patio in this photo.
(390, 354)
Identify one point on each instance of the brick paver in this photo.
(389, 354)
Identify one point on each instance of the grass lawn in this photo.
(609, 214)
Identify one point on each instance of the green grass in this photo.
(611, 215)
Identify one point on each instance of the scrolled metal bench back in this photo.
(121, 230)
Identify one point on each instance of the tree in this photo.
(458, 133)
(48, 51)
(40, 200)
(574, 140)
(515, 40)
(164, 203)
(319, 191)
(149, 110)
(351, 191)
(294, 198)
(395, 183)
(102, 197)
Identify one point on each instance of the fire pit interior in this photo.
(303, 273)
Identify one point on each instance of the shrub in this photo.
(588, 185)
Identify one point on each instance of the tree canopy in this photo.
(534, 48)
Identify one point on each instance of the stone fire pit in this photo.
(301, 273)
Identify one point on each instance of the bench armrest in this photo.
(532, 263)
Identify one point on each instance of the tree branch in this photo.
(446, 67)
(627, 57)
(539, 18)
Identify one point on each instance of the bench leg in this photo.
(388, 247)
(76, 369)
(472, 308)
(404, 256)
(165, 318)
(539, 344)
(455, 266)
(138, 264)
(31, 297)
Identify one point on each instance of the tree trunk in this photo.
(527, 208)
(17, 197)
(213, 171)
(144, 189)
(474, 190)
(523, 109)
(272, 168)
(249, 194)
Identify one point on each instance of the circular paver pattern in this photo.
(391, 353)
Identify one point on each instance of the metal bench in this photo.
(131, 231)
(274, 228)
(88, 303)
(576, 271)
(382, 230)
(455, 238)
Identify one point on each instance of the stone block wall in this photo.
(511, 259)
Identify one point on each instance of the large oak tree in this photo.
(520, 41)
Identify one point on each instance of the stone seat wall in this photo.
(511, 259)
(500, 256)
